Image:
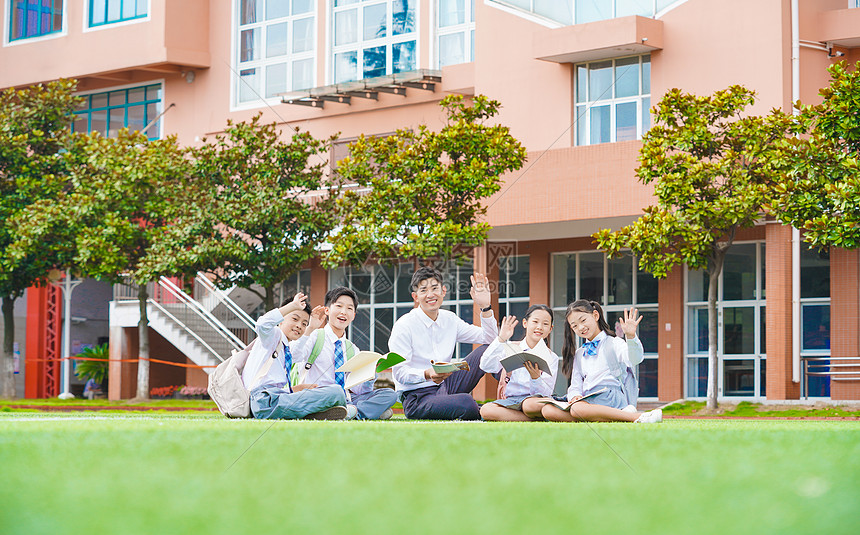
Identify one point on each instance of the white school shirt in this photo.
(419, 339)
(521, 383)
(270, 340)
(592, 371)
(322, 371)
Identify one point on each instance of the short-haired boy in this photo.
(362, 400)
(430, 333)
(272, 395)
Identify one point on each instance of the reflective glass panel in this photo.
(451, 12)
(375, 18)
(451, 49)
(383, 321)
(346, 27)
(814, 273)
(403, 57)
(627, 77)
(276, 40)
(625, 121)
(816, 327)
(277, 8)
(374, 61)
(303, 35)
(739, 272)
(600, 80)
(591, 276)
(738, 330)
(739, 377)
(403, 17)
(648, 379)
(620, 273)
(276, 79)
(600, 125)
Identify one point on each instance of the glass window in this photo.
(34, 18)
(568, 12)
(617, 98)
(276, 48)
(739, 377)
(379, 35)
(455, 28)
(697, 377)
(620, 273)
(740, 320)
(591, 276)
(814, 273)
(816, 327)
(108, 112)
(739, 273)
(111, 11)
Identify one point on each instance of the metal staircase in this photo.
(206, 327)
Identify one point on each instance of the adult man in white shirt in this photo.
(430, 333)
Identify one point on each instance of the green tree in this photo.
(34, 133)
(268, 205)
(821, 193)
(418, 194)
(713, 173)
(127, 194)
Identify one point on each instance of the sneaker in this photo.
(338, 412)
(387, 414)
(351, 412)
(629, 408)
(650, 417)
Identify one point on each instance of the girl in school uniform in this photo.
(598, 364)
(520, 389)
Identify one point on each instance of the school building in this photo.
(576, 79)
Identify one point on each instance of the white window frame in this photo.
(758, 356)
(467, 28)
(262, 62)
(582, 109)
(360, 44)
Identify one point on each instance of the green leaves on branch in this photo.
(822, 192)
(268, 205)
(713, 175)
(419, 193)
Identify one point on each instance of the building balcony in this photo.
(840, 27)
(625, 36)
(160, 43)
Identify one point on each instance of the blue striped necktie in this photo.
(288, 364)
(338, 362)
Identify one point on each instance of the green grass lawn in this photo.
(167, 473)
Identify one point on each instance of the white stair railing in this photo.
(231, 313)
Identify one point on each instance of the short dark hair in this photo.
(289, 300)
(335, 293)
(424, 273)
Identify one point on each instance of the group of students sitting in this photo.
(310, 344)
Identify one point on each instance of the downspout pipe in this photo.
(795, 233)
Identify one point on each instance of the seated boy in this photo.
(272, 395)
(430, 333)
(333, 350)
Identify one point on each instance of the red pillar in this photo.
(41, 359)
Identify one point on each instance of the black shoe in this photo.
(338, 412)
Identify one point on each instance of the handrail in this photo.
(228, 303)
(164, 311)
(213, 322)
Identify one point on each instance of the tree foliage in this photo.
(34, 135)
(419, 193)
(821, 193)
(268, 204)
(124, 195)
(713, 173)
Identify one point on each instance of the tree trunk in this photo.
(7, 372)
(713, 331)
(143, 345)
(269, 300)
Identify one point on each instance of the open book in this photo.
(516, 358)
(365, 365)
(566, 405)
(448, 367)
